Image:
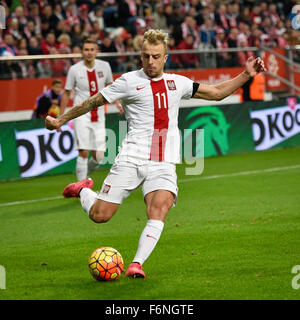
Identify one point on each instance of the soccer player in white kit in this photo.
(150, 149)
(87, 77)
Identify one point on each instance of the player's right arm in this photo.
(91, 103)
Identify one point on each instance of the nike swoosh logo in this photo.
(148, 236)
(140, 88)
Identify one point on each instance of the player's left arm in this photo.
(222, 90)
(91, 103)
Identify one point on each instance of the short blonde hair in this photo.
(155, 37)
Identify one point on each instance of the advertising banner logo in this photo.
(274, 125)
(40, 150)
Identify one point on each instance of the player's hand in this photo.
(52, 123)
(119, 106)
(254, 66)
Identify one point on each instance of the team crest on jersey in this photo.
(171, 84)
(106, 188)
(100, 74)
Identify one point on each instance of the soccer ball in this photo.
(106, 264)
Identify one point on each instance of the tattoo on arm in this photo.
(91, 103)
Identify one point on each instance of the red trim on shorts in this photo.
(93, 84)
(161, 120)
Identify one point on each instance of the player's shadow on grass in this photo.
(52, 209)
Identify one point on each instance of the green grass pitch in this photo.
(234, 234)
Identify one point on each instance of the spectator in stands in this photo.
(77, 35)
(48, 17)
(221, 18)
(71, 6)
(76, 49)
(8, 46)
(267, 25)
(220, 42)
(232, 41)
(255, 15)
(9, 69)
(13, 28)
(255, 37)
(207, 32)
(34, 47)
(34, 14)
(132, 61)
(173, 61)
(254, 89)
(58, 14)
(20, 16)
(264, 9)
(243, 55)
(189, 27)
(123, 13)
(45, 27)
(71, 14)
(120, 47)
(188, 60)
(64, 41)
(159, 17)
(245, 16)
(174, 20)
(84, 16)
(49, 101)
(110, 14)
(107, 45)
(29, 29)
(150, 22)
(232, 15)
(273, 14)
(48, 43)
(22, 45)
(97, 15)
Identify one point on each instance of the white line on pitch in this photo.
(242, 173)
(7, 204)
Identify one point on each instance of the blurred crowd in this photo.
(51, 27)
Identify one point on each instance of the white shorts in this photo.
(89, 135)
(124, 177)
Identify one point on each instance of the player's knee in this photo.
(100, 215)
(158, 210)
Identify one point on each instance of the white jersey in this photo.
(88, 82)
(151, 109)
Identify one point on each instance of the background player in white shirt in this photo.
(87, 77)
(151, 148)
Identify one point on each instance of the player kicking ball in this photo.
(151, 148)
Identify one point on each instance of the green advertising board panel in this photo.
(9, 165)
(227, 128)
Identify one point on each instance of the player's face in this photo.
(154, 58)
(57, 88)
(89, 52)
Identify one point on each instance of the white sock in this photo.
(148, 240)
(87, 199)
(81, 168)
(92, 165)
